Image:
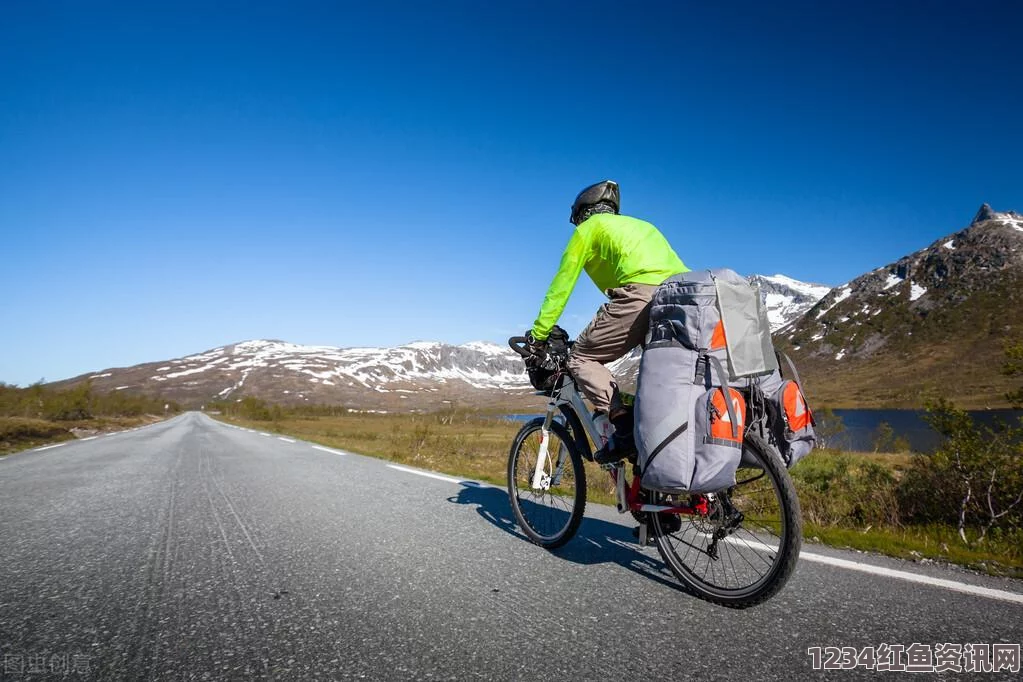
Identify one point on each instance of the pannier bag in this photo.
(709, 334)
(789, 416)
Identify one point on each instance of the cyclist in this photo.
(627, 259)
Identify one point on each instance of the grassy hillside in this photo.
(954, 351)
(934, 323)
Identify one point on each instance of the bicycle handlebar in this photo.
(518, 344)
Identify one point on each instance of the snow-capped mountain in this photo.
(932, 323)
(417, 373)
(787, 299)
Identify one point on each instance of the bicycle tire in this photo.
(566, 513)
(779, 539)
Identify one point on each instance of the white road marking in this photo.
(264, 434)
(286, 440)
(90, 438)
(953, 585)
(50, 447)
(439, 477)
(915, 577)
(333, 452)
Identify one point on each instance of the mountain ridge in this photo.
(419, 374)
(932, 323)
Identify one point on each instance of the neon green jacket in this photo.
(615, 250)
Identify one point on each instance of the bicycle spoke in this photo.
(744, 548)
(549, 516)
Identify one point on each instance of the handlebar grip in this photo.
(518, 344)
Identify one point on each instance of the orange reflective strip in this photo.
(795, 407)
(720, 423)
(717, 340)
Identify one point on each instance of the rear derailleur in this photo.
(727, 518)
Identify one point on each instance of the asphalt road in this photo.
(195, 550)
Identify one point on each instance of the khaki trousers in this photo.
(619, 326)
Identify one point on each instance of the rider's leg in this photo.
(619, 326)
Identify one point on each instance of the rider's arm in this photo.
(572, 262)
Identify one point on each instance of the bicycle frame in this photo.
(627, 496)
(550, 509)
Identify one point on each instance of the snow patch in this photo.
(121, 388)
(100, 376)
(787, 299)
(485, 347)
(893, 280)
(815, 290)
(916, 291)
(841, 354)
(845, 293)
(950, 245)
(421, 345)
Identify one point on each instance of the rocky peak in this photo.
(946, 307)
(986, 213)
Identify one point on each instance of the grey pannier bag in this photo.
(689, 412)
(789, 416)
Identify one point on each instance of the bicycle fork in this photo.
(541, 479)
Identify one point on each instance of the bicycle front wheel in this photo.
(548, 500)
(745, 548)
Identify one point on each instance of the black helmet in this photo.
(605, 192)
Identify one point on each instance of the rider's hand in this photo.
(535, 347)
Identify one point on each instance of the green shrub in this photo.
(76, 403)
(837, 489)
(974, 481)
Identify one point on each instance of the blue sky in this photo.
(178, 176)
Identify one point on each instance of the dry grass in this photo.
(22, 433)
(463, 444)
(19, 433)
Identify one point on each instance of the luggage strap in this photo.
(799, 385)
(671, 436)
(725, 388)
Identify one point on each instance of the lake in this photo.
(861, 426)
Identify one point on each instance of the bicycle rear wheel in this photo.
(551, 512)
(744, 550)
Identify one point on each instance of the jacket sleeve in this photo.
(572, 262)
